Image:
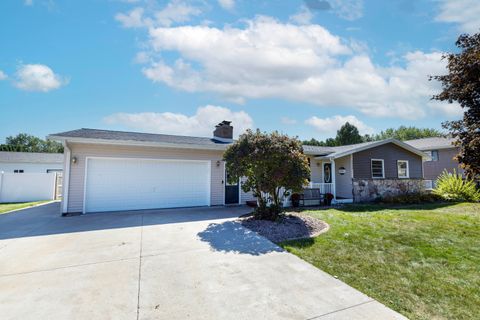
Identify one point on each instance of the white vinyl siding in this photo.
(402, 169)
(378, 168)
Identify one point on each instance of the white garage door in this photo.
(129, 184)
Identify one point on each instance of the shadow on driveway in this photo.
(47, 220)
(231, 236)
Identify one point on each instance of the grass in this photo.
(420, 260)
(7, 207)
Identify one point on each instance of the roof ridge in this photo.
(135, 132)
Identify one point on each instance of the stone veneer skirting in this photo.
(371, 189)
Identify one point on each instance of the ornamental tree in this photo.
(462, 84)
(268, 164)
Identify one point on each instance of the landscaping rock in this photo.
(292, 226)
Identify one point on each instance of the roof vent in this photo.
(223, 131)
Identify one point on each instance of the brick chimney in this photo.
(223, 132)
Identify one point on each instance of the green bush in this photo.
(410, 198)
(452, 187)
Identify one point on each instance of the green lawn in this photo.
(6, 207)
(423, 261)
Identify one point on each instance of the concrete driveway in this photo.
(161, 264)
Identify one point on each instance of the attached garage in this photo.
(113, 184)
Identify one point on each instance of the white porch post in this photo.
(334, 186)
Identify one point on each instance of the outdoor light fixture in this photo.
(218, 163)
(74, 160)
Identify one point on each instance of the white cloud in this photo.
(348, 9)
(176, 11)
(202, 123)
(330, 125)
(133, 19)
(465, 13)
(227, 4)
(3, 76)
(37, 77)
(142, 57)
(28, 2)
(304, 16)
(306, 63)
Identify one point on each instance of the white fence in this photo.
(24, 187)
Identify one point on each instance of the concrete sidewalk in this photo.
(161, 264)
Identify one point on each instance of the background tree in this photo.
(269, 163)
(23, 142)
(407, 133)
(462, 84)
(348, 134)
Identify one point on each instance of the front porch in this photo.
(333, 176)
(329, 188)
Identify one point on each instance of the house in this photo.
(366, 171)
(30, 162)
(441, 151)
(114, 170)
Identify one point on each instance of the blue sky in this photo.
(178, 67)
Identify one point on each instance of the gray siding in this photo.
(390, 153)
(432, 169)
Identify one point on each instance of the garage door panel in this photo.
(129, 184)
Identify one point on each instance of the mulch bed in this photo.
(293, 225)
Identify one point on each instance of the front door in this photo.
(327, 172)
(231, 191)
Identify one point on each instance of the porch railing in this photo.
(324, 187)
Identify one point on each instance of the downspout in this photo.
(66, 177)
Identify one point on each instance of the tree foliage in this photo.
(268, 163)
(23, 142)
(406, 133)
(348, 134)
(462, 85)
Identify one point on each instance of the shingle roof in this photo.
(31, 157)
(340, 151)
(85, 133)
(317, 150)
(332, 151)
(432, 143)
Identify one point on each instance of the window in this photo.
(433, 155)
(378, 171)
(402, 168)
(17, 171)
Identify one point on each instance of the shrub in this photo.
(410, 198)
(452, 187)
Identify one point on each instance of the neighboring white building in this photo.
(30, 162)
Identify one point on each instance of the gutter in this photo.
(220, 147)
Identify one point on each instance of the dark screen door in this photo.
(231, 191)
